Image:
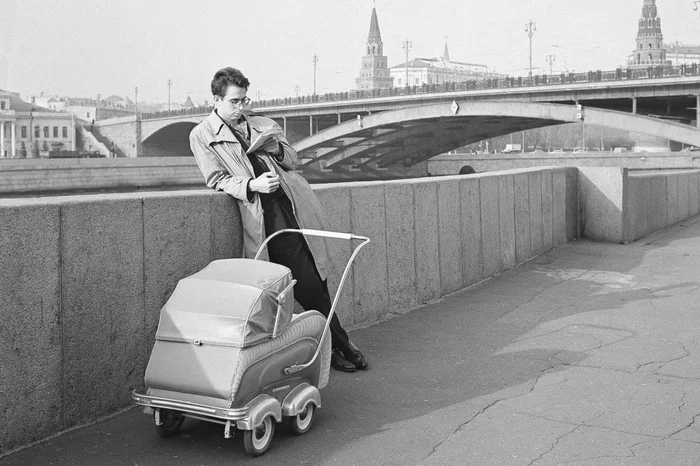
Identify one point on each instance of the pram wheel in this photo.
(258, 440)
(302, 422)
(170, 423)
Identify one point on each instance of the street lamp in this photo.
(530, 28)
(406, 46)
(550, 59)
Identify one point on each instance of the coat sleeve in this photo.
(216, 176)
(287, 157)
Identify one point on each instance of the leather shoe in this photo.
(355, 357)
(339, 363)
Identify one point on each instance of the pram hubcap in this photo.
(302, 422)
(258, 440)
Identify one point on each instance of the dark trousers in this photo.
(291, 250)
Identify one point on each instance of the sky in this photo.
(79, 48)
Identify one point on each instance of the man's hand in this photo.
(271, 146)
(265, 183)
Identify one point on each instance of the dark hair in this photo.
(226, 77)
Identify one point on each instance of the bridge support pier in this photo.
(697, 110)
(634, 105)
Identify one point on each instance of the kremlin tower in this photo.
(374, 72)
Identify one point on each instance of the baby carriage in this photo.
(230, 350)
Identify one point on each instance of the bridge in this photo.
(381, 133)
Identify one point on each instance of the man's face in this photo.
(231, 105)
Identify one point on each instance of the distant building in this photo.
(84, 108)
(26, 129)
(650, 50)
(375, 71)
(440, 70)
(679, 54)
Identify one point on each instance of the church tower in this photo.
(375, 70)
(650, 49)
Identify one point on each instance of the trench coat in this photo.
(226, 167)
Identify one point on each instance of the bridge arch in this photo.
(414, 134)
(172, 140)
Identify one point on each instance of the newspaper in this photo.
(272, 133)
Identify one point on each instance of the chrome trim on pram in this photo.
(233, 414)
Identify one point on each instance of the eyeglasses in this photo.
(236, 102)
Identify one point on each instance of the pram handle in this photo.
(309, 232)
(328, 234)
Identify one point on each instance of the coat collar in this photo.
(221, 132)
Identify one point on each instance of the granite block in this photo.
(470, 195)
(693, 198)
(490, 228)
(226, 227)
(506, 218)
(547, 210)
(336, 207)
(368, 209)
(401, 246)
(558, 207)
(427, 249)
(31, 359)
(536, 224)
(103, 305)
(683, 196)
(523, 245)
(177, 243)
(449, 236)
(672, 199)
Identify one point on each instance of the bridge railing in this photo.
(487, 83)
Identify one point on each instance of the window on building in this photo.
(55, 131)
(2, 105)
(23, 132)
(417, 80)
(65, 132)
(88, 114)
(36, 131)
(46, 131)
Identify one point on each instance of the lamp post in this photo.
(315, 60)
(530, 28)
(406, 46)
(550, 59)
(170, 85)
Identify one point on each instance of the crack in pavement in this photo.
(486, 408)
(690, 424)
(538, 294)
(663, 362)
(459, 427)
(553, 446)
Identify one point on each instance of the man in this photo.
(271, 197)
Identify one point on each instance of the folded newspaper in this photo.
(272, 133)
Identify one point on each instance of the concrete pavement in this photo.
(586, 355)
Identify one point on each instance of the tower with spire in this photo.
(650, 49)
(375, 71)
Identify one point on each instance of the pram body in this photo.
(230, 350)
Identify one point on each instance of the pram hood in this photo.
(231, 302)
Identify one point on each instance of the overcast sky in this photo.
(81, 48)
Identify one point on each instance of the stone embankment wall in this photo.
(623, 205)
(20, 176)
(449, 164)
(83, 278)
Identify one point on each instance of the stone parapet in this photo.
(20, 176)
(83, 278)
